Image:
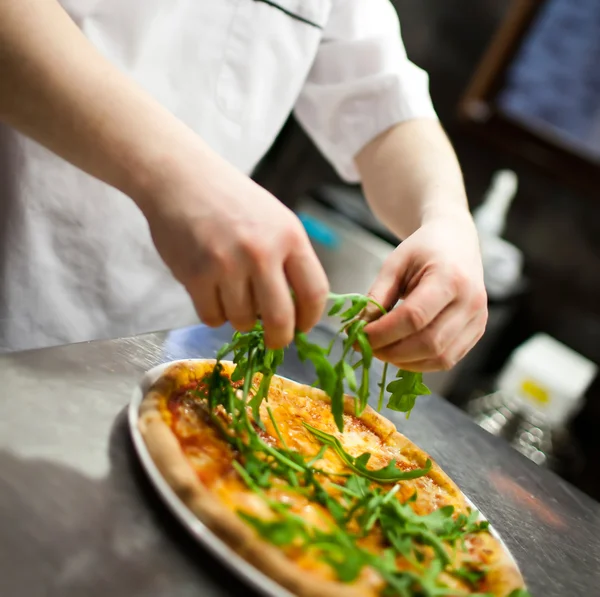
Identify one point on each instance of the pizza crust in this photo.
(171, 461)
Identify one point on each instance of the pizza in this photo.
(359, 513)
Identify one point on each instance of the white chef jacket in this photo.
(77, 259)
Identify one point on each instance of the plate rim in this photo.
(201, 533)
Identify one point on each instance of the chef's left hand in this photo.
(438, 272)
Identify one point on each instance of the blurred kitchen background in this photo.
(517, 87)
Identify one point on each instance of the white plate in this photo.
(197, 528)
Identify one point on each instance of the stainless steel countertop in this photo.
(78, 518)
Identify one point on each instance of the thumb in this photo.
(386, 288)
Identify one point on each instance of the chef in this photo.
(128, 132)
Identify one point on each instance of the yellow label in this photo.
(536, 392)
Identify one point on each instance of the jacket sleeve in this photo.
(361, 83)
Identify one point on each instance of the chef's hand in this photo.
(438, 272)
(236, 249)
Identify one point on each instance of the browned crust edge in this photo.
(169, 458)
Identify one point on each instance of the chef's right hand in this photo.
(235, 248)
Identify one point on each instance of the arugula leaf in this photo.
(399, 520)
(350, 376)
(365, 348)
(399, 584)
(463, 525)
(359, 486)
(382, 387)
(307, 351)
(259, 396)
(337, 510)
(258, 470)
(280, 532)
(330, 377)
(469, 574)
(251, 356)
(358, 306)
(339, 302)
(439, 520)
(404, 390)
(387, 474)
(346, 564)
(340, 551)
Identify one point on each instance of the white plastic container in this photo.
(547, 378)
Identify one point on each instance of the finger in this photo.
(309, 282)
(238, 303)
(276, 307)
(431, 342)
(207, 302)
(429, 298)
(464, 342)
(386, 290)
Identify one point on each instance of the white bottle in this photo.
(502, 261)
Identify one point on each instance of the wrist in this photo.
(159, 170)
(446, 207)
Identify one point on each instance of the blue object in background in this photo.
(319, 231)
(555, 78)
(199, 340)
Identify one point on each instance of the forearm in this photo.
(410, 174)
(56, 88)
